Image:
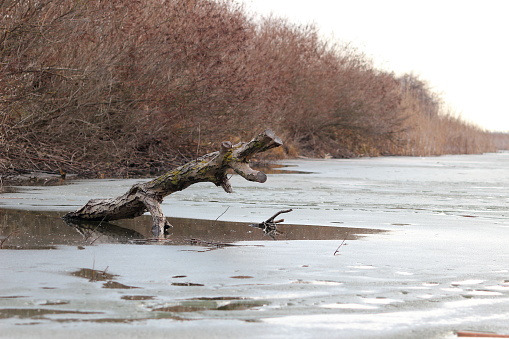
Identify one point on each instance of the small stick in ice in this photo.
(342, 243)
(269, 226)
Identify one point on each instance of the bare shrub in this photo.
(431, 130)
(129, 87)
(103, 82)
(324, 95)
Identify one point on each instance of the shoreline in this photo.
(33, 177)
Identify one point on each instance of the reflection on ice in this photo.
(35, 230)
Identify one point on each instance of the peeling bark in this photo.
(212, 167)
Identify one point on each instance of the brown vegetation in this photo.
(135, 87)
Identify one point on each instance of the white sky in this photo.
(459, 47)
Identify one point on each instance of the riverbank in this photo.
(105, 100)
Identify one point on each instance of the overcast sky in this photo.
(459, 47)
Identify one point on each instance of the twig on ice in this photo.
(227, 208)
(342, 243)
(195, 241)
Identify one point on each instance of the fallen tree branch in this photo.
(212, 167)
(269, 226)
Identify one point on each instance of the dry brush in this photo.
(129, 87)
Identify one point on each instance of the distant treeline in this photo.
(131, 86)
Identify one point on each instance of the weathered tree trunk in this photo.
(211, 167)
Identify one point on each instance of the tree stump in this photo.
(212, 167)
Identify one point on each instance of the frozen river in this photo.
(426, 256)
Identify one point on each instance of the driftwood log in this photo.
(212, 167)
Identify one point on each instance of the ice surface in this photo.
(442, 265)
